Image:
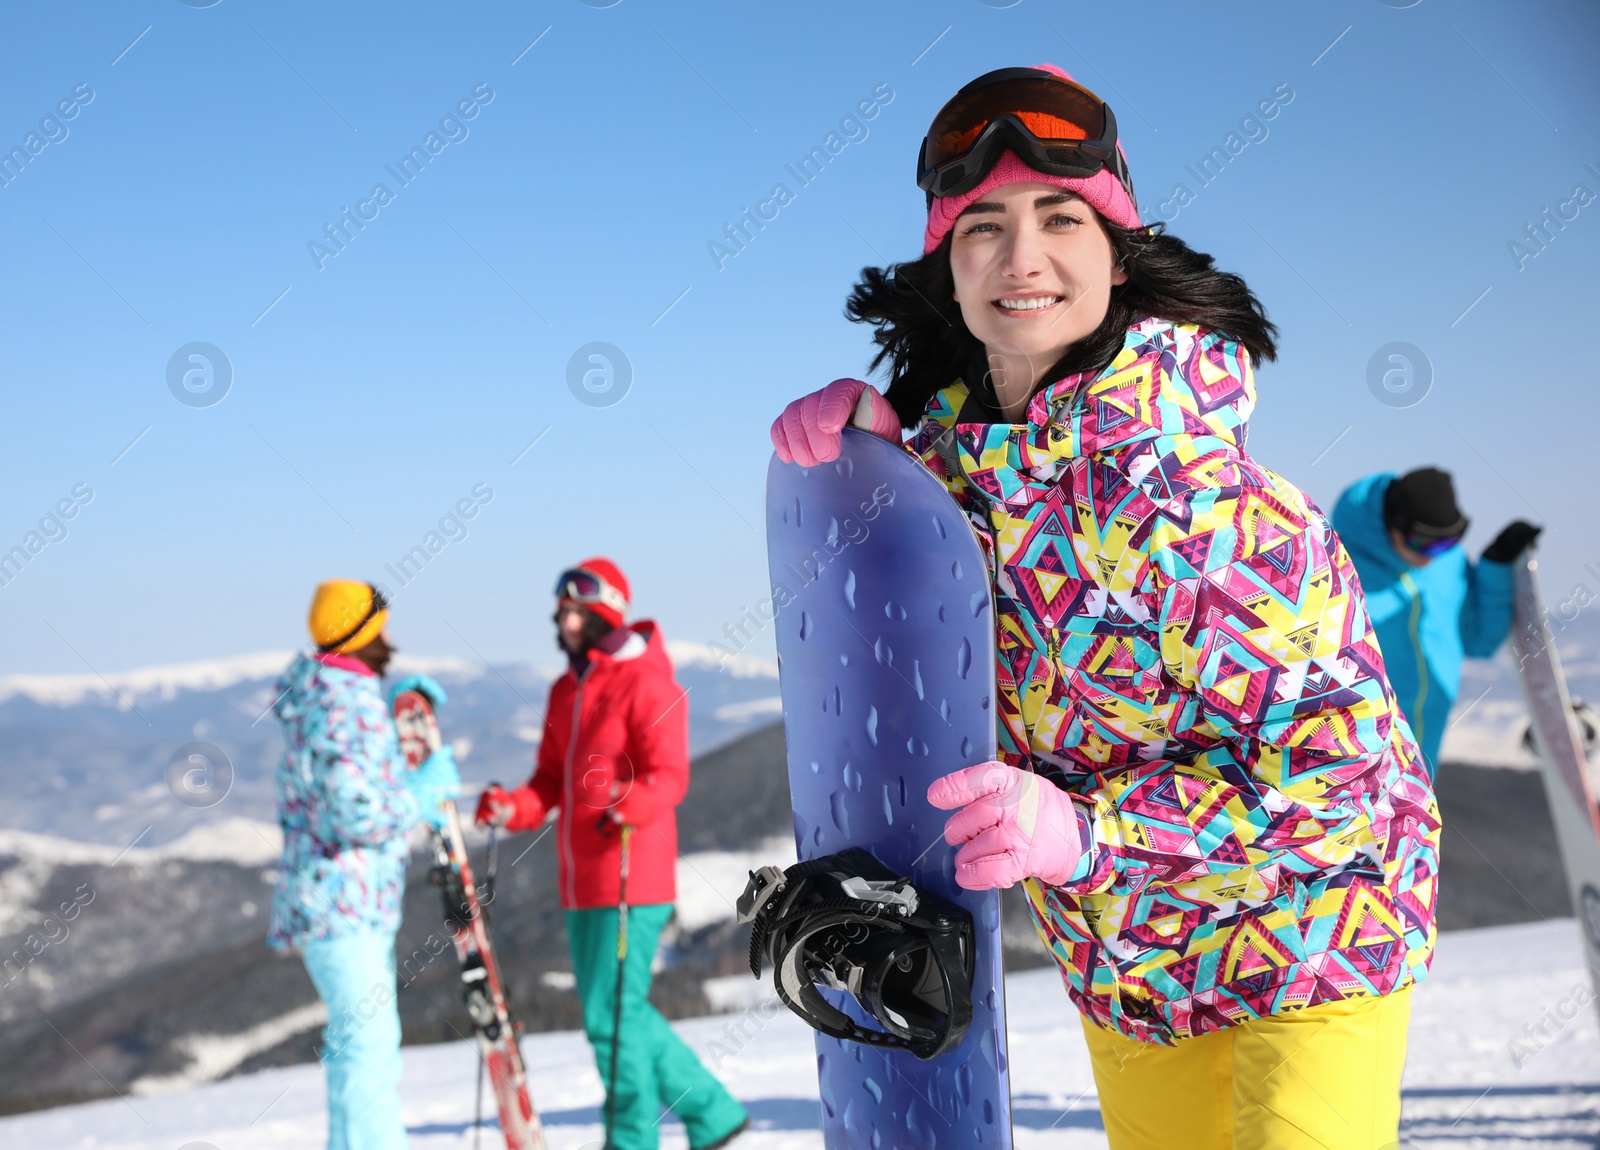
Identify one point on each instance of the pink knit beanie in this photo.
(1102, 191)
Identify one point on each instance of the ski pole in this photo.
(488, 888)
(622, 955)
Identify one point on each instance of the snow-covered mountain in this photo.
(86, 757)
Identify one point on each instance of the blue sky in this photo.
(606, 150)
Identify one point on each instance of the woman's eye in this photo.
(983, 227)
(1062, 218)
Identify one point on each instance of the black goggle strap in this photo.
(379, 603)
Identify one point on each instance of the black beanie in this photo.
(1423, 500)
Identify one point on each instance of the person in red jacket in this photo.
(615, 754)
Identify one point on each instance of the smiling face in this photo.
(1033, 269)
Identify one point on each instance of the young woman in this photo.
(1226, 832)
(346, 802)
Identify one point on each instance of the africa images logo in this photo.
(199, 374)
(599, 374)
(1399, 374)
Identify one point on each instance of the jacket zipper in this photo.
(571, 815)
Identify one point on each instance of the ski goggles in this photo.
(844, 922)
(1431, 544)
(586, 587)
(1054, 125)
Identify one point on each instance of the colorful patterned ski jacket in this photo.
(342, 804)
(1184, 647)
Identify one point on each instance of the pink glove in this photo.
(1012, 824)
(809, 429)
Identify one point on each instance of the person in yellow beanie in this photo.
(348, 617)
(346, 803)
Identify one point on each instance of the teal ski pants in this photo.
(655, 1070)
(354, 976)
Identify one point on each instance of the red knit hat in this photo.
(615, 595)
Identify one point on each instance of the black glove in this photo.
(1512, 541)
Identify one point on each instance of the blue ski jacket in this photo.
(343, 805)
(1427, 618)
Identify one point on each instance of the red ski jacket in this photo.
(616, 738)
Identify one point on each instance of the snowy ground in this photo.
(1480, 1074)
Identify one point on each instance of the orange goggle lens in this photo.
(1055, 111)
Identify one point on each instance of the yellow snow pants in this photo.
(1323, 1078)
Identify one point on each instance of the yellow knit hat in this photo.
(346, 616)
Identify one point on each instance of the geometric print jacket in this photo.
(343, 806)
(1183, 646)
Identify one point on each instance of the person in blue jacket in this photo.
(346, 803)
(1430, 604)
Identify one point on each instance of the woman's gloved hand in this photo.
(426, 684)
(1514, 538)
(432, 783)
(1010, 824)
(518, 810)
(809, 430)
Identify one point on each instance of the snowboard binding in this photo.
(847, 923)
(1588, 723)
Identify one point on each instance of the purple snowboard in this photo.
(885, 632)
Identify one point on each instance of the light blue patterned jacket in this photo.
(343, 807)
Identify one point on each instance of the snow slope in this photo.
(1493, 1063)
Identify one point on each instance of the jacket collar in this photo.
(345, 663)
(624, 644)
(1168, 380)
(641, 640)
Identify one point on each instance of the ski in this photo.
(1562, 762)
(465, 917)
